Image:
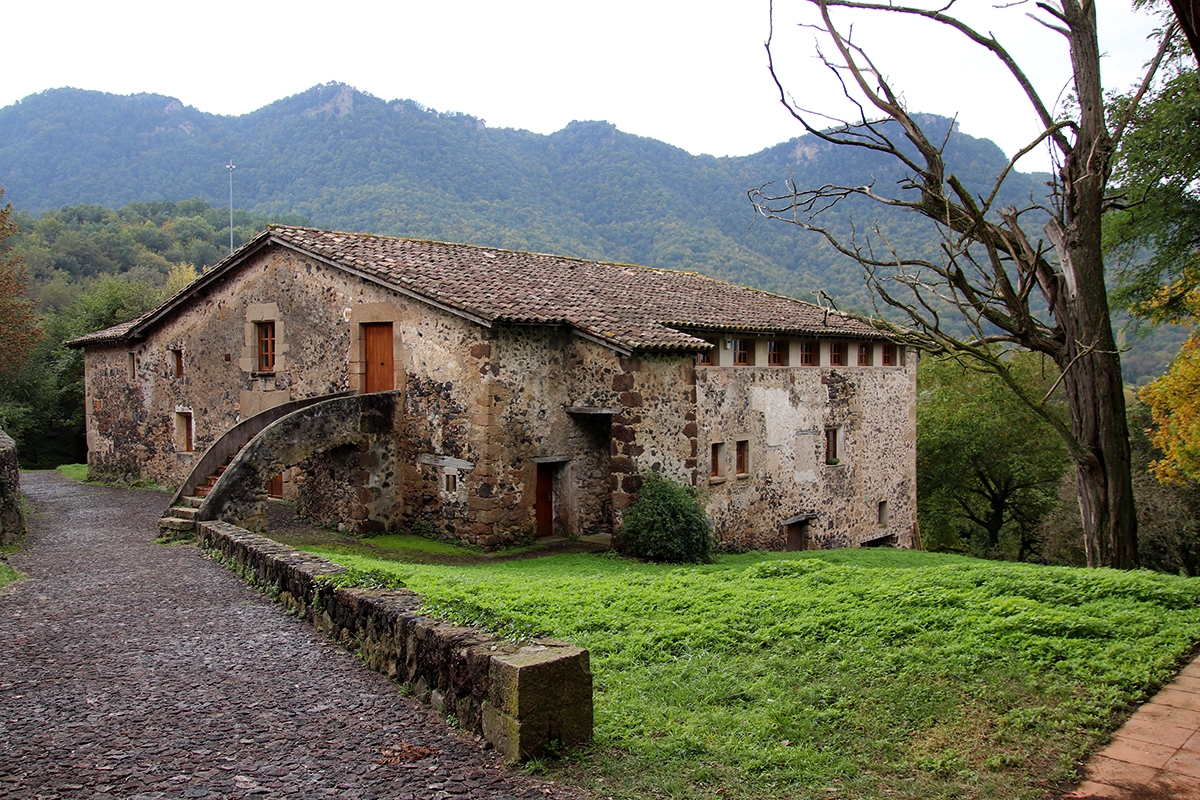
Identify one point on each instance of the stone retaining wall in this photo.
(12, 521)
(521, 698)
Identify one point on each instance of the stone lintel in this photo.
(435, 460)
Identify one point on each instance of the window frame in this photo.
(716, 461)
(742, 458)
(743, 352)
(777, 352)
(864, 353)
(177, 362)
(810, 354)
(889, 354)
(837, 354)
(833, 448)
(265, 347)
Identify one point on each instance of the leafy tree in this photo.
(988, 466)
(19, 326)
(1154, 238)
(1174, 401)
(666, 523)
(993, 274)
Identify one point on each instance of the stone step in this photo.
(184, 512)
(202, 491)
(191, 502)
(176, 524)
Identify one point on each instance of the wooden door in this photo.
(797, 535)
(377, 353)
(275, 487)
(544, 500)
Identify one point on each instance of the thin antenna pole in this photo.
(231, 169)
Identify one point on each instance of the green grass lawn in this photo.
(847, 674)
(7, 574)
(76, 472)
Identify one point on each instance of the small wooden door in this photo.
(797, 535)
(544, 500)
(377, 353)
(275, 487)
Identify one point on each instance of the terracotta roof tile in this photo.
(630, 307)
(639, 308)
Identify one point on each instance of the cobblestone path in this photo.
(135, 670)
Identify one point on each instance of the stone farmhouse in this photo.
(492, 396)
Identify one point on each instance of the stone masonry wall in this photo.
(135, 399)
(12, 520)
(783, 413)
(523, 699)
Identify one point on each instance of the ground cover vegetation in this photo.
(858, 673)
(7, 573)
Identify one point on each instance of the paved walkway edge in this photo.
(1156, 754)
(522, 698)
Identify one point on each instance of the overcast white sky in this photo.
(689, 72)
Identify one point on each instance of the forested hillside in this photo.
(343, 159)
(347, 160)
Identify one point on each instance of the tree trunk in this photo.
(1089, 361)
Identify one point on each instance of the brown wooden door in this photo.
(377, 352)
(797, 535)
(275, 487)
(544, 500)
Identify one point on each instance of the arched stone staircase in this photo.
(229, 481)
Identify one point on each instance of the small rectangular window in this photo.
(451, 483)
(183, 431)
(743, 457)
(131, 365)
(266, 346)
(777, 353)
(704, 359)
(808, 354)
(889, 354)
(883, 512)
(831, 445)
(177, 362)
(864, 354)
(837, 354)
(717, 460)
(743, 352)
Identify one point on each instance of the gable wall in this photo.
(782, 413)
(317, 311)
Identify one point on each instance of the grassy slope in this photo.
(836, 674)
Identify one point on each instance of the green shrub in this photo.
(666, 523)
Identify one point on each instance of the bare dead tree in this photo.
(994, 272)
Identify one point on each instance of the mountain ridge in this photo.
(349, 160)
